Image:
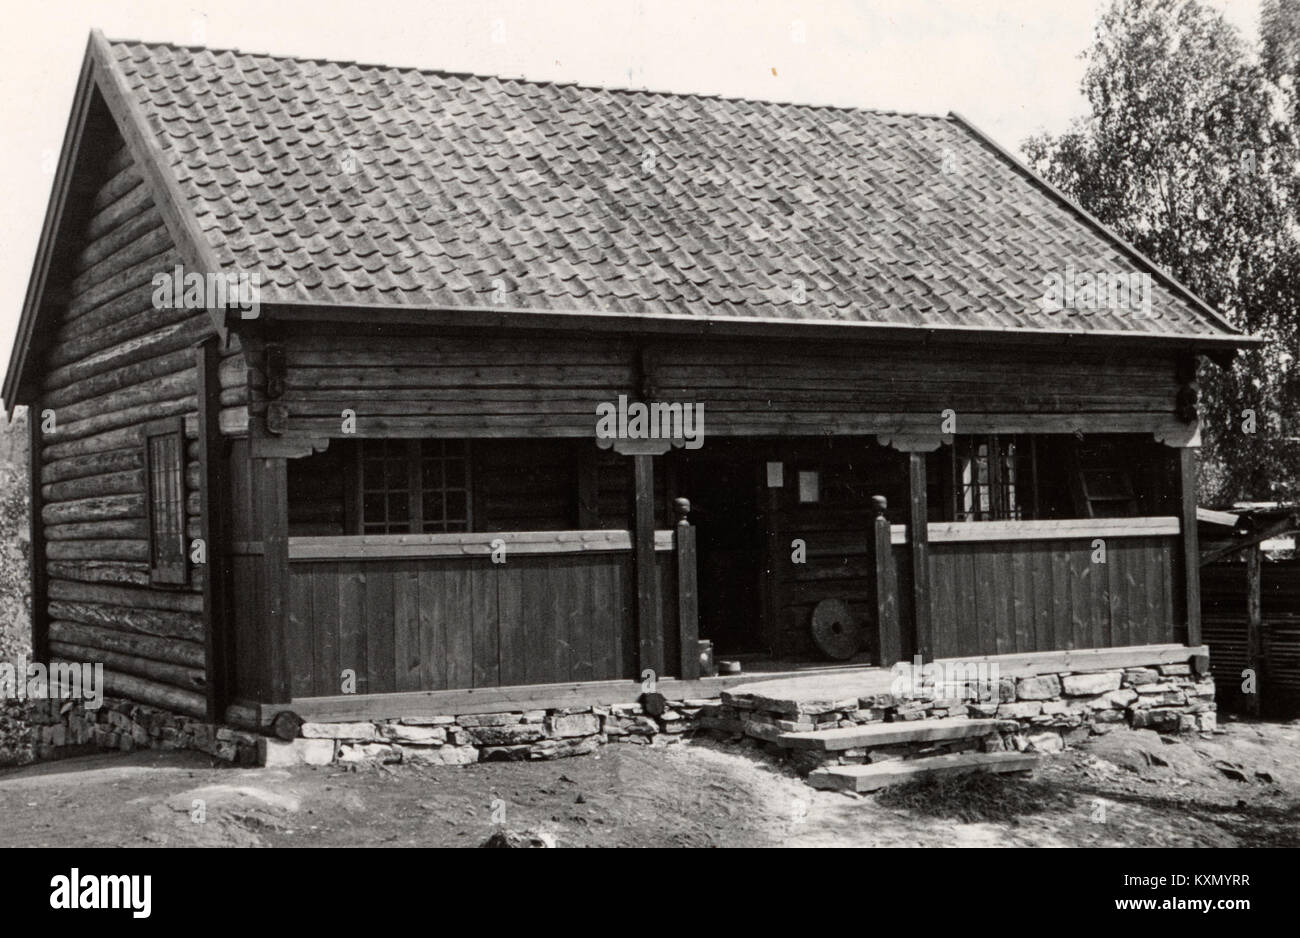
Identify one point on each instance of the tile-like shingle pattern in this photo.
(378, 186)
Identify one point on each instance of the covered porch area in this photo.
(738, 547)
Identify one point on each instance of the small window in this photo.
(992, 478)
(810, 491)
(164, 469)
(413, 486)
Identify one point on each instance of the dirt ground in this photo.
(1129, 788)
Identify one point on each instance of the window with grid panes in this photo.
(413, 486)
(992, 477)
(164, 467)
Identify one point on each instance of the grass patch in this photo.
(974, 797)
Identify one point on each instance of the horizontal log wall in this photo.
(539, 385)
(114, 364)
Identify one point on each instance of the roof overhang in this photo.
(1218, 347)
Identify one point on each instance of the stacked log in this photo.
(114, 364)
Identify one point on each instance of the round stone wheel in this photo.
(834, 630)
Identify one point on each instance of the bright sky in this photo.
(1010, 66)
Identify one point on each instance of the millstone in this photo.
(834, 630)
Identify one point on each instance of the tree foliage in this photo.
(1189, 152)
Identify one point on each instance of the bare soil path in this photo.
(1129, 788)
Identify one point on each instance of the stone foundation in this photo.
(67, 727)
(516, 736)
(1043, 712)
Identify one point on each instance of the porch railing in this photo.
(995, 587)
(459, 611)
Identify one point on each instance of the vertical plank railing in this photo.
(687, 594)
(890, 638)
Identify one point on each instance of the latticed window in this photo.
(164, 468)
(385, 487)
(413, 486)
(444, 486)
(992, 477)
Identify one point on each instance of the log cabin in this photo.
(381, 479)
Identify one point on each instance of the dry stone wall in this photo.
(1041, 712)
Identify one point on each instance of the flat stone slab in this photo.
(810, 694)
(876, 776)
(887, 734)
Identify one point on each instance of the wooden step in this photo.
(887, 734)
(879, 774)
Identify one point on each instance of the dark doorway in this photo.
(723, 489)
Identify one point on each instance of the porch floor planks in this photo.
(792, 687)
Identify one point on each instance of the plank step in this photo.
(878, 775)
(887, 734)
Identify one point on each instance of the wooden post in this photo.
(212, 521)
(40, 607)
(918, 539)
(1254, 628)
(890, 639)
(271, 498)
(1191, 547)
(648, 610)
(687, 598)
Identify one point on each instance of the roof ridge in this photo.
(587, 86)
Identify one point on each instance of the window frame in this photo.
(1024, 487)
(166, 573)
(414, 457)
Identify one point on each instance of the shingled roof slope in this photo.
(372, 186)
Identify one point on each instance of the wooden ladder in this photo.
(1101, 481)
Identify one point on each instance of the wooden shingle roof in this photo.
(370, 186)
(365, 186)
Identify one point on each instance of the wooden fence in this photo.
(1225, 613)
(435, 612)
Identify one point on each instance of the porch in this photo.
(472, 621)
